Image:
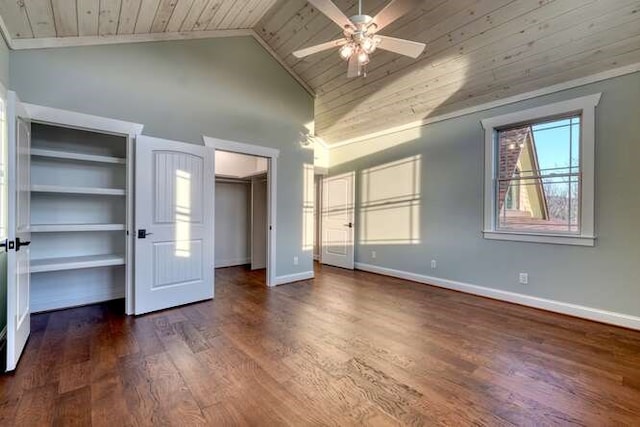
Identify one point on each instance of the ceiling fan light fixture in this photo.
(360, 34)
(346, 51)
(369, 45)
(363, 57)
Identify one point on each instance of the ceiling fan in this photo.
(360, 34)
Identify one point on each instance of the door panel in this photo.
(19, 231)
(174, 203)
(337, 220)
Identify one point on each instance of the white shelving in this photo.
(57, 228)
(55, 154)
(75, 263)
(39, 188)
(79, 217)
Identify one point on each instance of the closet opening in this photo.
(242, 212)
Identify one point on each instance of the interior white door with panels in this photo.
(337, 220)
(17, 175)
(174, 206)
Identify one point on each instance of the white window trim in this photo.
(586, 106)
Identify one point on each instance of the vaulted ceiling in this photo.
(69, 18)
(477, 50)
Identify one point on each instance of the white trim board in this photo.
(72, 119)
(240, 147)
(605, 75)
(54, 42)
(75, 301)
(589, 313)
(290, 278)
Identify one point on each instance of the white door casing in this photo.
(338, 199)
(259, 213)
(174, 203)
(19, 229)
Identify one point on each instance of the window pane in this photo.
(538, 185)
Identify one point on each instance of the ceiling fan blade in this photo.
(401, 46)
(392, 11)
(318, 48)
(354, 67)
(333, 12)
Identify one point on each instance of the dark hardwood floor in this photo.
(347, 348)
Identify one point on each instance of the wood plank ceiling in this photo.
(69, 18)
(477, 50)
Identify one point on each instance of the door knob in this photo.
(142, 233)
(350, 225)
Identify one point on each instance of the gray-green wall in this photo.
(227, 88)
(606, 276)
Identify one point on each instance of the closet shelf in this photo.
(75, 263)
(55, 154)
(54, 228)
(77, 190)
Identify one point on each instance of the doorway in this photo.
(261, 169)
(241, 210)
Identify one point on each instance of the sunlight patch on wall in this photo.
(390, 203)
(308, 224)
(183, 214)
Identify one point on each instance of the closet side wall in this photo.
(232, 233)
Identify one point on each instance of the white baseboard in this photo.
(590, 313)
(62, 303)
(290, 278)
(316, 257)
(232, 262)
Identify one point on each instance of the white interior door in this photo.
(174, 207)
(259, 223)
(337, 220)
(18, 229)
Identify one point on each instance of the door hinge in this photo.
(19, 243)
(8, 245)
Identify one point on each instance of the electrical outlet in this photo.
(434, 264)
(295, 260)
(524, 278)
(373, 254)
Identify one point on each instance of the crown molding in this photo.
(56, 42)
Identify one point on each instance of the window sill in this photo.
(556, 239)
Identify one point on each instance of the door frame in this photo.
(272, 156)
(130, 130)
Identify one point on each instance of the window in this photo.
(539, 174)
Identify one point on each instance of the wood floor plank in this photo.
(73, 408)
(348, 348)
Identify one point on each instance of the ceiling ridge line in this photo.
(6, 35)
